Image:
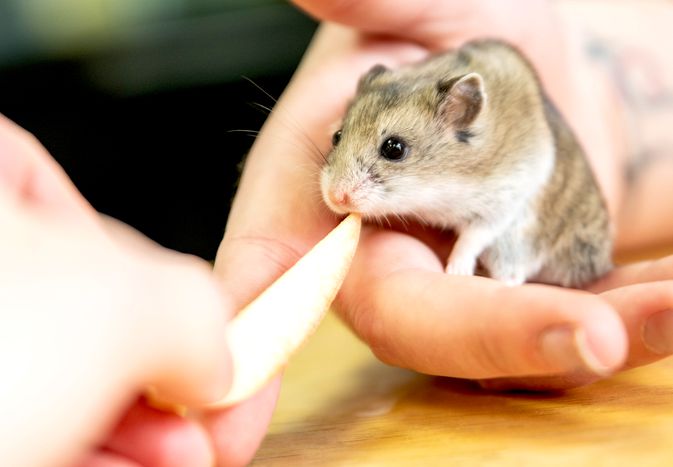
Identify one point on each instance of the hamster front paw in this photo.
(461, 266)
(513, 281)
(509, 273)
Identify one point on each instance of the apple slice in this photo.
(264, 335)
(269, 330)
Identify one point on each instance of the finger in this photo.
(647, 312)
(413, 315)
(644, 271)
(377, 16)
(642, 296)
(437, 25)
(562, 382)
(184, 330)
(237, 432)
(28, 172)
(103, 458)
(158, 439)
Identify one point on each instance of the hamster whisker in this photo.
(296, 129)
(376, 220)
(316, 196)
(267, 94)
(393, 177)
(309, 169)
(252, 133)
(380, 218)
(266, 110)
(284, 138)
(297, 126)
(371, 166)
(402, 220)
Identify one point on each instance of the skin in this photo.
(397, 294)
(276, 217)
(92, 313)
(643, 73)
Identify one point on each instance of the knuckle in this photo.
(276, 253)
(247, 264)
(364, 317)
(493, 356)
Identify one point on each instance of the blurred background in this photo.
(137, 99)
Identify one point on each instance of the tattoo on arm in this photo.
(647, 95)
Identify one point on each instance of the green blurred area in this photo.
(165, 43)
(76, 26)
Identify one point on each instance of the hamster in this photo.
(468, 140)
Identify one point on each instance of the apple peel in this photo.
(269, 330)
(263, 336)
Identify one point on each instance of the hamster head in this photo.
(403, 137)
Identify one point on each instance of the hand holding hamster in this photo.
(397, 297)
(469, 141)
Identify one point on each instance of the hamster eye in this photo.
(393, 149)
(336, 137)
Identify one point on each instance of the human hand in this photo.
(93, 313)
(397, 298)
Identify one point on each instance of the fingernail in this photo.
(154, 400)
(568, 349)
(657, 333)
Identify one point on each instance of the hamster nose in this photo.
(339, 199)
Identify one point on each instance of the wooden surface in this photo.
(339, 406)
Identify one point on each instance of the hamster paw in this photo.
(512, 279)
(461, 267)
(513, 282)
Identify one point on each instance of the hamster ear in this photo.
(461, 99)
(371, 75)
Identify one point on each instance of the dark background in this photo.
(138, 105)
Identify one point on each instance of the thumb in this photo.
(183, 319)
(193, 363)
(373, 16)
(430, 23)
(31, 175)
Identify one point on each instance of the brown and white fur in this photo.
(485, 154)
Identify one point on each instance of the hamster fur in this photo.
(468, 140)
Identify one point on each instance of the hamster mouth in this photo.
(339, 198)
(340, 201)
(340, 208)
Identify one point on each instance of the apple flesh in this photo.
(263, 336)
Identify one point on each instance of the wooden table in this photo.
(339, 406)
